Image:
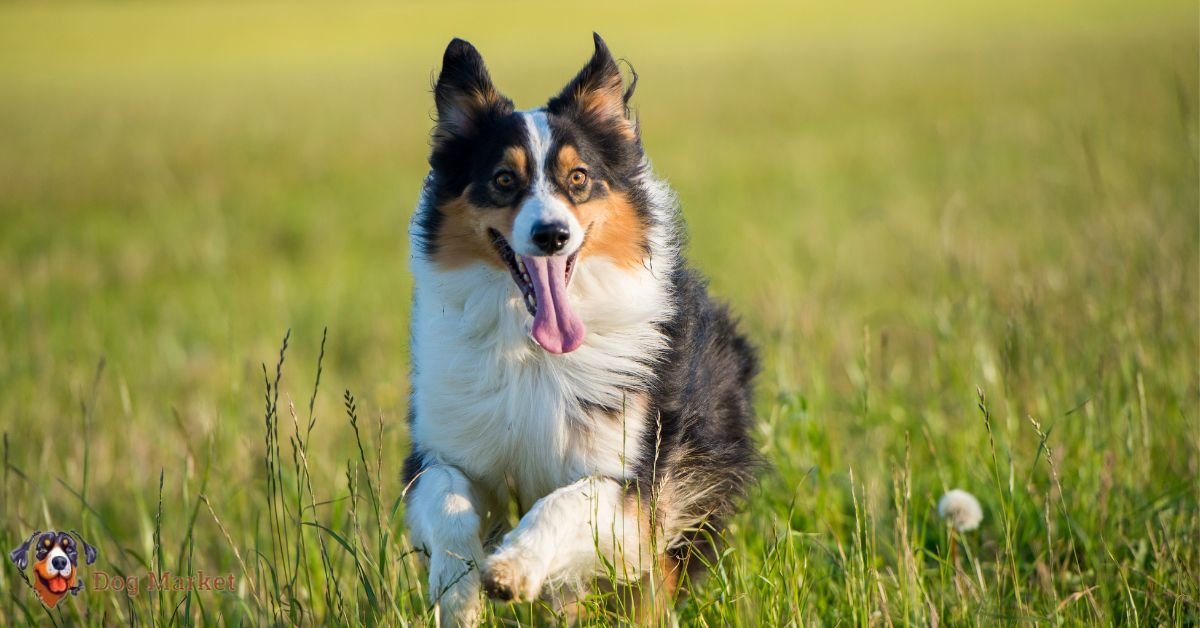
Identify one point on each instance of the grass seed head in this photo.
(961, 509)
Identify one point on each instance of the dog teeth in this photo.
(520, 273)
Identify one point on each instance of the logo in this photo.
(56, 563)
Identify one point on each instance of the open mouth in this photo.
(543, 282)
(57, 584)
(520, 273)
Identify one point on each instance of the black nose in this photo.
(550, 237)
(59, 563)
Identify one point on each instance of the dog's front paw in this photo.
(454, 590)
(508, 578)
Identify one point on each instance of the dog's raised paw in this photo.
(505, 580)
(497, 589)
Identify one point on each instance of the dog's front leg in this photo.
(443, 519)
(563, 537)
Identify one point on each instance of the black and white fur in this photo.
(633, 448)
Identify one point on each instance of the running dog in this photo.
(565, 357)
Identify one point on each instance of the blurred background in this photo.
(904, 201)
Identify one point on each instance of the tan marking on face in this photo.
(613, 229)
(568, 160)
(462, 238)
(517, 160)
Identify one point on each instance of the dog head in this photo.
(56, 562)
(535, 193)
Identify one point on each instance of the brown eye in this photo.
(578, 177)
(66, 542)
(504, 181)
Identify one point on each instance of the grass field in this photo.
(966, 238)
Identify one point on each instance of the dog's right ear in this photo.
(20, 556)
(464, 93)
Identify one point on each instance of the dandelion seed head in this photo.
(961, 509)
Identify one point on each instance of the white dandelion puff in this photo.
(961, 509)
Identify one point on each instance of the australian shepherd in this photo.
(567, 364)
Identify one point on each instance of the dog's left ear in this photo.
(89, 552)
(598, 93)
(20, 556)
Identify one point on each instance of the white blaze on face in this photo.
(542, 204)
(51, 569)
(556, 327)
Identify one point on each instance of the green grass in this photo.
(965, 238)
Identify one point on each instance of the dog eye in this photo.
(504, 181)
(578, 177)
(66, 542)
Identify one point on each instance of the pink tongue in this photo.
(555, 326)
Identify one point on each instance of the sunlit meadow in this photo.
(964, 235)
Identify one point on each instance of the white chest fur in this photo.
(511, 415)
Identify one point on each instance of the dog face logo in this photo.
(56, 563)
